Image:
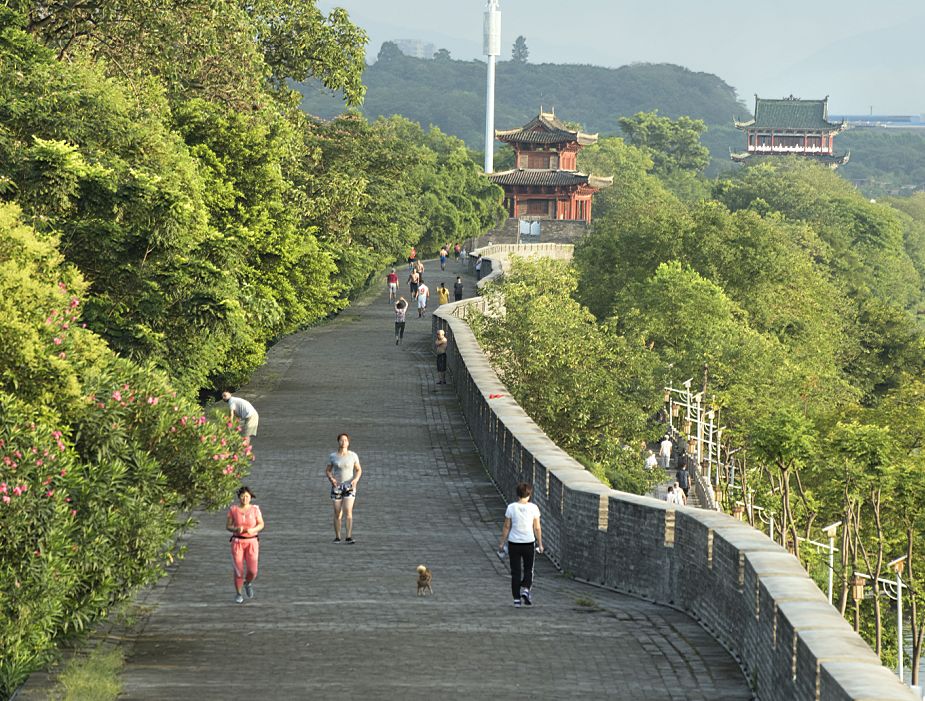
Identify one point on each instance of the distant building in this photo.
(792, 127)
(885, 121)
(545, 182)
(415, 48)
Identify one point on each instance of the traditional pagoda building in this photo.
(792, 127)
(545, 182)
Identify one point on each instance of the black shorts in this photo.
(342, 492)
(441, 362)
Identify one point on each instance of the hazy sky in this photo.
(860, 52)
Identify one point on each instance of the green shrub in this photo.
(98, 456)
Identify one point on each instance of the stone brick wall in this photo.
(551, 231)
(748, 592)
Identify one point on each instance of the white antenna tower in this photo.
(492, 49)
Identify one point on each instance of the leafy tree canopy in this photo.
(519, 52)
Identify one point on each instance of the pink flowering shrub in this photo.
(98, 459)
(131, 410)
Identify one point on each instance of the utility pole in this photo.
(491, 49)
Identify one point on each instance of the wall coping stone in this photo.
(867, 682)
(769, 563)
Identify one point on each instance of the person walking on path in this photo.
(440, 345)
(522, 533)
(392, 280)
(443, 255)
(245, 523)
(443, 294)
(651, 461)
(343, 472)
(423, 294)
(458, 289)
(244, 411)
(683, 478)
(401, 307)
(664, 452)
(414, 279)
(478, 268)
(419, 267)
(412, 258)
(456, 249)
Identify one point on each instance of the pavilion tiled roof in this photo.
(549, 178)
(545, 128)
(792, 113)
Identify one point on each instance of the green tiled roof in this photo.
(791, 113)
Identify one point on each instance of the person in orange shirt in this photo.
(245, 523)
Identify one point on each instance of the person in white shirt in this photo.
(343, 472)
(423, 294)
(664, 452)
(651, 461)
(244, 411)
(679, 496)
(522, 533)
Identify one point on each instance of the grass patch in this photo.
(94, 677)
(583, 601)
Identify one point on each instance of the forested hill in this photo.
(451, 94)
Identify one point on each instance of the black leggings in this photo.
(399, 329)
(521, 555)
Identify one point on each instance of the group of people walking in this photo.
(245, 520)
(521, 536)
(419, 292)
(678, 492)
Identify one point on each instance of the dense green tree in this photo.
(519, 52)
(673, 144)
(884, 161)
(589, 388)
(182, 42)
(127, 199)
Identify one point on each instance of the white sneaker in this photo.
(238, 599)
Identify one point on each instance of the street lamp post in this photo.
(830, 532)
(893, 588)
(769, 519)
(830, 547)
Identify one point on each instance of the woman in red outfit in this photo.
(245, 523)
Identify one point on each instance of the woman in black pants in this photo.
(401, 306)
(522, 533)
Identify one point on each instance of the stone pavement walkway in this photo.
(336, 620)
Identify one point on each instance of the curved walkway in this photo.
(331, 619)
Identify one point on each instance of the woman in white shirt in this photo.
(343, 472)
(522, 533)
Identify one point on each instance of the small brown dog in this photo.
(425, 578)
